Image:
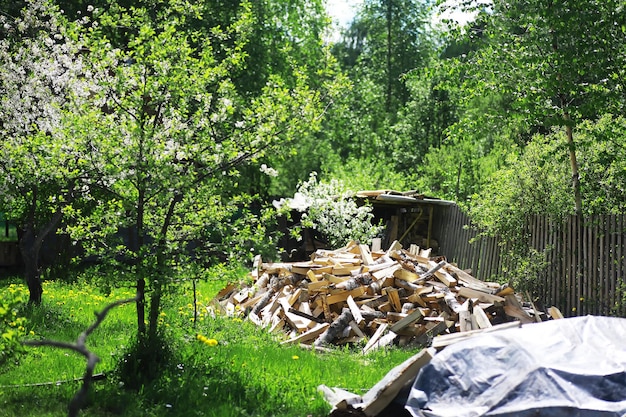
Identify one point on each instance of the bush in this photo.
(331, 209)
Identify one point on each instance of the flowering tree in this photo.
(42, 164)
(330, 208)
(170, 130)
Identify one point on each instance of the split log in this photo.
(335, 329)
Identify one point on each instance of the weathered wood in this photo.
(308, 335)
(481, 296)
(356, 311)
(382, 394)
(335, 329)
(442, 341)
(409, 319)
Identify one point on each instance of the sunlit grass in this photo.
(224, 366)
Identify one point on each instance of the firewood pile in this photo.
(376, 297)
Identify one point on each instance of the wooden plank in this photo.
(442, 341)
(356, 311)
(376, 244)
(366, 255)
(411, 318)
(374, 339)
(406, 275)
(309, 335)
(465, 321)
(394, 298)
(482, 320)
(481, 296)
(393, 247)
(343, 295)
(356, 329)
(382, 394)
(387, 272)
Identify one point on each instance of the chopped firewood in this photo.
(309, 335)
(335, 329)
(555, 313)
(387, 297)
(442, 341)
(380, 395)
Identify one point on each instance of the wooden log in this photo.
(335, 329)
(482, 296)
(382, 394)
(356, 311)
(308, 335)
(442, 341)
(409, 319)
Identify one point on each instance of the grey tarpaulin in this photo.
(569, 367)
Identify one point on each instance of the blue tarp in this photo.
(569, 367)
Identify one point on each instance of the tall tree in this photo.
(170, 131)
(559, 62)
(42, 77)
(387, 40)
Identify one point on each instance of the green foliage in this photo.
(602, 160)
(533, 182)
(331, 209)
(13, 326)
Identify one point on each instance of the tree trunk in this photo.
(574, 164)
(389, 38)
(29, 249)
(140, 304)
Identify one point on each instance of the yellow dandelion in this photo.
(295, 357)
(211, 342)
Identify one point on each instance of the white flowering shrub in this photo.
(332, 210)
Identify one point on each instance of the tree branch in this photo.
(79, 346)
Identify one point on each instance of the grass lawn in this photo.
(218, 366)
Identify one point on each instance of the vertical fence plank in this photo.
(620, 275)
(602, 264)
(571, 303)
(583, 263)
(611, 261)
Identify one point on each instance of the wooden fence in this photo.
(583, 270)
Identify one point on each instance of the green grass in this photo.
(239, 369)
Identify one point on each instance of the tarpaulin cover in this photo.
(569, 367)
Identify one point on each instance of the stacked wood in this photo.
(380, 297)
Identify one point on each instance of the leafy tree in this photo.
(170, 131)
(42, 76)
(559, 63)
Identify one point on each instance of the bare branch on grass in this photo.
(80, 347)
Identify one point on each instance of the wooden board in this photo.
(382, 394)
